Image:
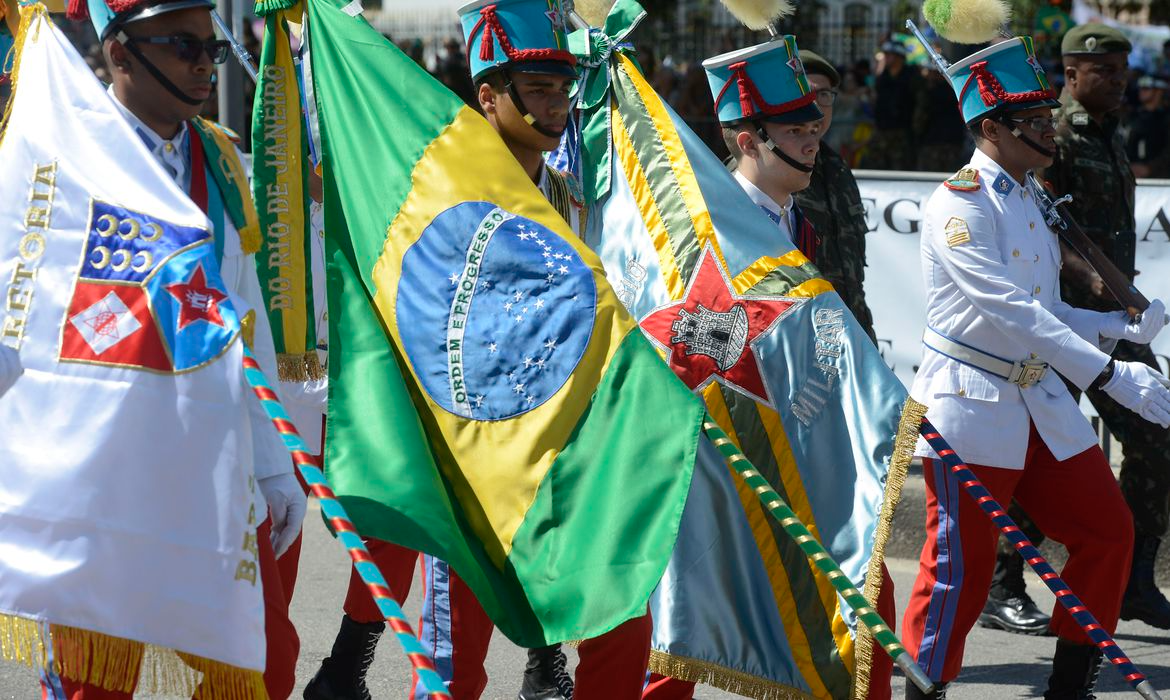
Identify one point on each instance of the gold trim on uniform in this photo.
(957, 232)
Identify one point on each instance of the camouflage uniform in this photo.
(832, 203)
(1091, 164)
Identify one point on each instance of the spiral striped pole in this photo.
(343, 527)
(817, 554)
(1028, 551)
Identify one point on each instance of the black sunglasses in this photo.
(188, 48)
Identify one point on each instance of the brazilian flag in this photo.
(491, 402)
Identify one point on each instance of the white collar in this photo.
(149, 136)
(762, 200)
(990, 171)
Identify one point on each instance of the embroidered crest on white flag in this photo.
(127, 501)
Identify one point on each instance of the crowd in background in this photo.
(891, 112)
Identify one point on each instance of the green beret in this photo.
(1094, 38)
(814, 63)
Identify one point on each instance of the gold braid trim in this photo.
(559, 196)
(291, 367)
(904, 441)
(123, 665)
(708, 673)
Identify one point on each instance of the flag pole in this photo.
(238, 49)
(344, 529)
(817, 554)
(1039, 564)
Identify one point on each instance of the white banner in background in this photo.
(893, 273)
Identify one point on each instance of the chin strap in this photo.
(524, 113)
(1015, 130)
(155, 72)
(762, 133)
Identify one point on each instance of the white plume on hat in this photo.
(967, 21)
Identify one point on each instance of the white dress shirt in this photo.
(781, 214)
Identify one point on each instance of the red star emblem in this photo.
(709, 334)
(197, 301)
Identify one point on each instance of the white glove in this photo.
(287, 505)
(10, 368)
(1141, 390)
(1120, 326)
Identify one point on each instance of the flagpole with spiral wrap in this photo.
(335, 514)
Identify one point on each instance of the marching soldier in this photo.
(523, 78)
(833, 205)
(1091, 164)
(774, 144)
(998, 332)
(768, 106)
(162, 57)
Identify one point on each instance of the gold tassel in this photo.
(904, 441)
(28, 14)
(124, 665)
(708, 673)
(294, 367)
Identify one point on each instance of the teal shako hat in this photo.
(521, 35)
(108, 16)
(1006, 77)
(763, 82)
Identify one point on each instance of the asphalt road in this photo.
(998, 665)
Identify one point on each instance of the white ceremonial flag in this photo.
(127, 499)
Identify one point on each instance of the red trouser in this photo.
(281, 636)
(662, 687)
(397, 566)
(1076, 502)
(456, 632)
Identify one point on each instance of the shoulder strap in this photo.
(231, 180)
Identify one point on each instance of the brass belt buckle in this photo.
(1028, 373)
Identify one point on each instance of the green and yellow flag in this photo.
(280, 169)
(491, 401)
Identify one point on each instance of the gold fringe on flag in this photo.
(907, 437)
(291, 367)
(27, 14)
(123, 665)
(708, 673)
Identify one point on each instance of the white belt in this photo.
(1025, 373)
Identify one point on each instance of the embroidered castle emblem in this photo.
(709, 334)
(718, 335)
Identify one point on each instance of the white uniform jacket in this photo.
(991, 268)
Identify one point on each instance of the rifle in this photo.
(1116, 281)
(1065, 226)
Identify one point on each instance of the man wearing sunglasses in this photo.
(162, 57)
(833, 205)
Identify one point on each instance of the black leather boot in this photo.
(545, 677)
(913, 692)
(1143, 601)
(342, 675)
(1009, 607)
(1074, 671)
